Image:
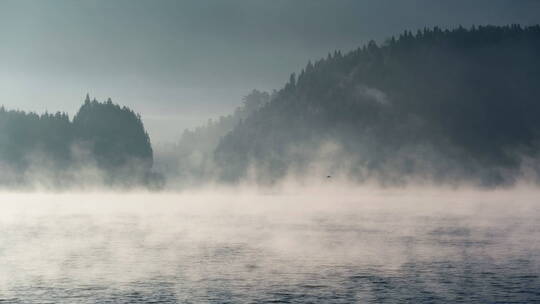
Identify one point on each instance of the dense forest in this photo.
(457, 105)
(103, 144)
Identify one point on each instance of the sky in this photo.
(179, 63)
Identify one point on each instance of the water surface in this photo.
(246, 247)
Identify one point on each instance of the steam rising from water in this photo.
(327, 243)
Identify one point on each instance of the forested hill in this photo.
(443, 105)
(104, 144)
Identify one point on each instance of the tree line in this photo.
(104, 143)
(449, 106)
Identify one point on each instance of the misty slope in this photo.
(459, 105)
(191, 159)
(104, 144)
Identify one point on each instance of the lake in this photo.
(295, 245)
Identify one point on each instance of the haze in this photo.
(179, 63)
(269, 151)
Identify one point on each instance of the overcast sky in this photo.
(179, 63)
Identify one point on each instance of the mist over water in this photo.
(327, 243)
(330, 156)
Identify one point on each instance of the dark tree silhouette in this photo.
(442, 104)
(107, 135)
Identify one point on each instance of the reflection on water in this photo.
(156, 248)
